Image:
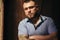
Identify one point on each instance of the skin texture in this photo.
(30, 9)
(52, 36)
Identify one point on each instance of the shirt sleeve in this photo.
(51, 26)
(22, 29)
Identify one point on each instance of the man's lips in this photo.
(30, 13)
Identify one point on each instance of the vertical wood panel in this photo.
(19, 12)
(18, 16)
(1, 20)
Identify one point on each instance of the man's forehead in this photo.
(30, 3)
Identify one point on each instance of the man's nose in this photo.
(29, 10)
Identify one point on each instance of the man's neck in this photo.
(35, 20)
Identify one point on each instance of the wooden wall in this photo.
(1, 20)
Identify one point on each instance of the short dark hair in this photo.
(38, 2)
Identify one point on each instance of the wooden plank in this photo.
(1, 20)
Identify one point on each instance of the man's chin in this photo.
(30, 17)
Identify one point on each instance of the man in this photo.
(35, 26)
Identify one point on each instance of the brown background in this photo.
(1, 20)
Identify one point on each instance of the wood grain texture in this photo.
(1, 20)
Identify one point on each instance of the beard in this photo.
(37, 14)
(32, 16)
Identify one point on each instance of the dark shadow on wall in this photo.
(13, 13)
(56, 15)
(9, 21)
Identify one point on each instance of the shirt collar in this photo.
(41, 18)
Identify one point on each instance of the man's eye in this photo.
(25, 8)
(31, 7)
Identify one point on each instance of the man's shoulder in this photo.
(46, 17)
(23, 21)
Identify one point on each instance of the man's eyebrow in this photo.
(30, 7)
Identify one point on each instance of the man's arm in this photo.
(52, 36)
(22, 37)
(22, 31)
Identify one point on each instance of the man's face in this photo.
(30, 9)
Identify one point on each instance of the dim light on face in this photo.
(30, 9)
